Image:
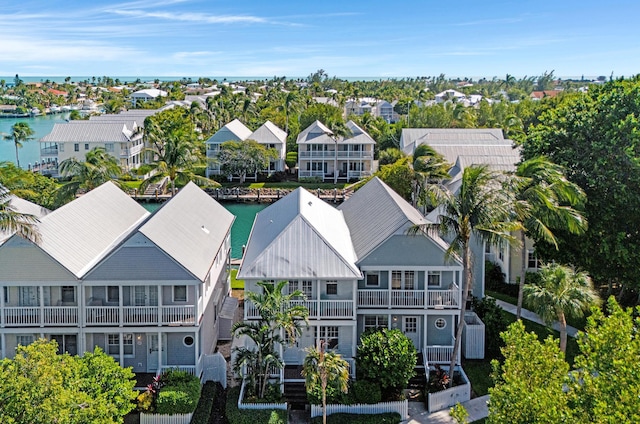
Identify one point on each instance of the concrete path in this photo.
(477, 409)
(532, 316)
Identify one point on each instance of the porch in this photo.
(174, 315)
(30, 316)
(428, 299)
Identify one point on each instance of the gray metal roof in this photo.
(82, 232)
(88, 132)
(318, 133)
(413, 137)
(269, 133)
(375, 212)
(298, 237)
(191, 228)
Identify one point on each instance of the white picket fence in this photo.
(449, 397)
(242, 405)
(401, 407)
(165, 419)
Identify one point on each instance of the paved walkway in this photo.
(532, 316)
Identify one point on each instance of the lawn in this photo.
(236, 284)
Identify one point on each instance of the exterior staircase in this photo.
(296, 395)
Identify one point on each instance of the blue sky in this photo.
(356, 38)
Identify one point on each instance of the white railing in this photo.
(373, 298)
(21, 315)
(317, 308)
(407, 297)
(401, 407)
(437, 299)
(165, 419)
(439, 354)
(60, 315)
(358, 174)
(140, 314)
(355, 155)
(317, 154)
(441, 299)
(191, 369)
(184, 314)
(242, 405)
(304, 174)
(102, 315)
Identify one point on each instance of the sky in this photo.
(294, 38)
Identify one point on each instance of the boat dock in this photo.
(250, 195)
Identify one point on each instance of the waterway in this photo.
(30, 152)
(245, 213)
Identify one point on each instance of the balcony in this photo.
(317, 309)
(49, 151)
(428, 299)
(30, 316)
(331, 154)
(141, 315)
(344, 154)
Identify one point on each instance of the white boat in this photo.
(35, 111)
(54, 109)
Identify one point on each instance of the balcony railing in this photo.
(310, 174)
(25, 316)
(317, 308)
(432, 299)
(49, 151)
(141, 315)
(439, 354)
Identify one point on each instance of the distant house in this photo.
(344, 158)
(538, 95)
(146, 288)
(146, 94)
(358, 268)
(372, 106)
(457, 97)
(268, 135)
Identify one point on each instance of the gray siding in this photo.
(139, 361)
(209, 328)
(177, 352)
(18, 255)
(437, 336)
(405, 250)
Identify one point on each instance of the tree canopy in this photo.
(244, 157)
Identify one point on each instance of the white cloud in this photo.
(191, 17)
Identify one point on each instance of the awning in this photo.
(229, 308)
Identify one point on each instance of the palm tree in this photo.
(12, 221)
(97, 168)
(480, 208)
(289, 106)
(174, 154)
(20, 132)
(561, 292)
(325, 368)
(279, 316)
(544, 201)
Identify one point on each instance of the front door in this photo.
(152, 352)
(145, 296)
(410, 329)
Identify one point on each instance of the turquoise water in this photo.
(30, 152)
(245, 214)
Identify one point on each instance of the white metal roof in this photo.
(89, 132)
(234, 130)
(269, 133)
(22, 206)
(316, 133)
(299, 236)
(191, 228)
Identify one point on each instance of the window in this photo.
(330, 336)
(108, 147)
(188, 341)
(375, 322)
(24, 340)
(396, 280)
(403, 280)
(76, 147)
(5, 292)
(532, 260)
(113, 344)
(440, 323)
(179, 293)
(68, 294)
(372, 279)
(61, 147)
(433, 278)
(306, 287)
(86, 146)
(409, 280)
(113, 294)
(332, 288)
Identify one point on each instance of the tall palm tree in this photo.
(13, 221)
(561, 291)
(544, 202)
(20, 132)
(480, 208)
(280, 322)
(97, 168)
(324, 368)
(289, 106)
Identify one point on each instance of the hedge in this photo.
(209, 392)
(179, 395)
(251, 416)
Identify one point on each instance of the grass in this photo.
(288, 185)
(131, 185)
(236, 284)
(501, 296)
(479, 373)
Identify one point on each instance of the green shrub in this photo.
(209, 392)
(334, 395)
(495, 280)
(386, 418)
(366, 392)
(251, 416)
(179, 394)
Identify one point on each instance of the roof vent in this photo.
(203, 228)
(310, 203)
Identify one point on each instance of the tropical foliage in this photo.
(20, 132)
(244, 158)
(14, 221)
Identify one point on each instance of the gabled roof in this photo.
(88, 132)
(234, 130)
(22, 206)
(149, 92)
(357, 136)
(191, 228)
(80, 233)
(269, 133)
(316, 133)
(375, 212)
(299, 237)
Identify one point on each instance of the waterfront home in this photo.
(146, 95)
(327, 157)
(359, 268)
(462, 148)
(146, 288)
(268, 135)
